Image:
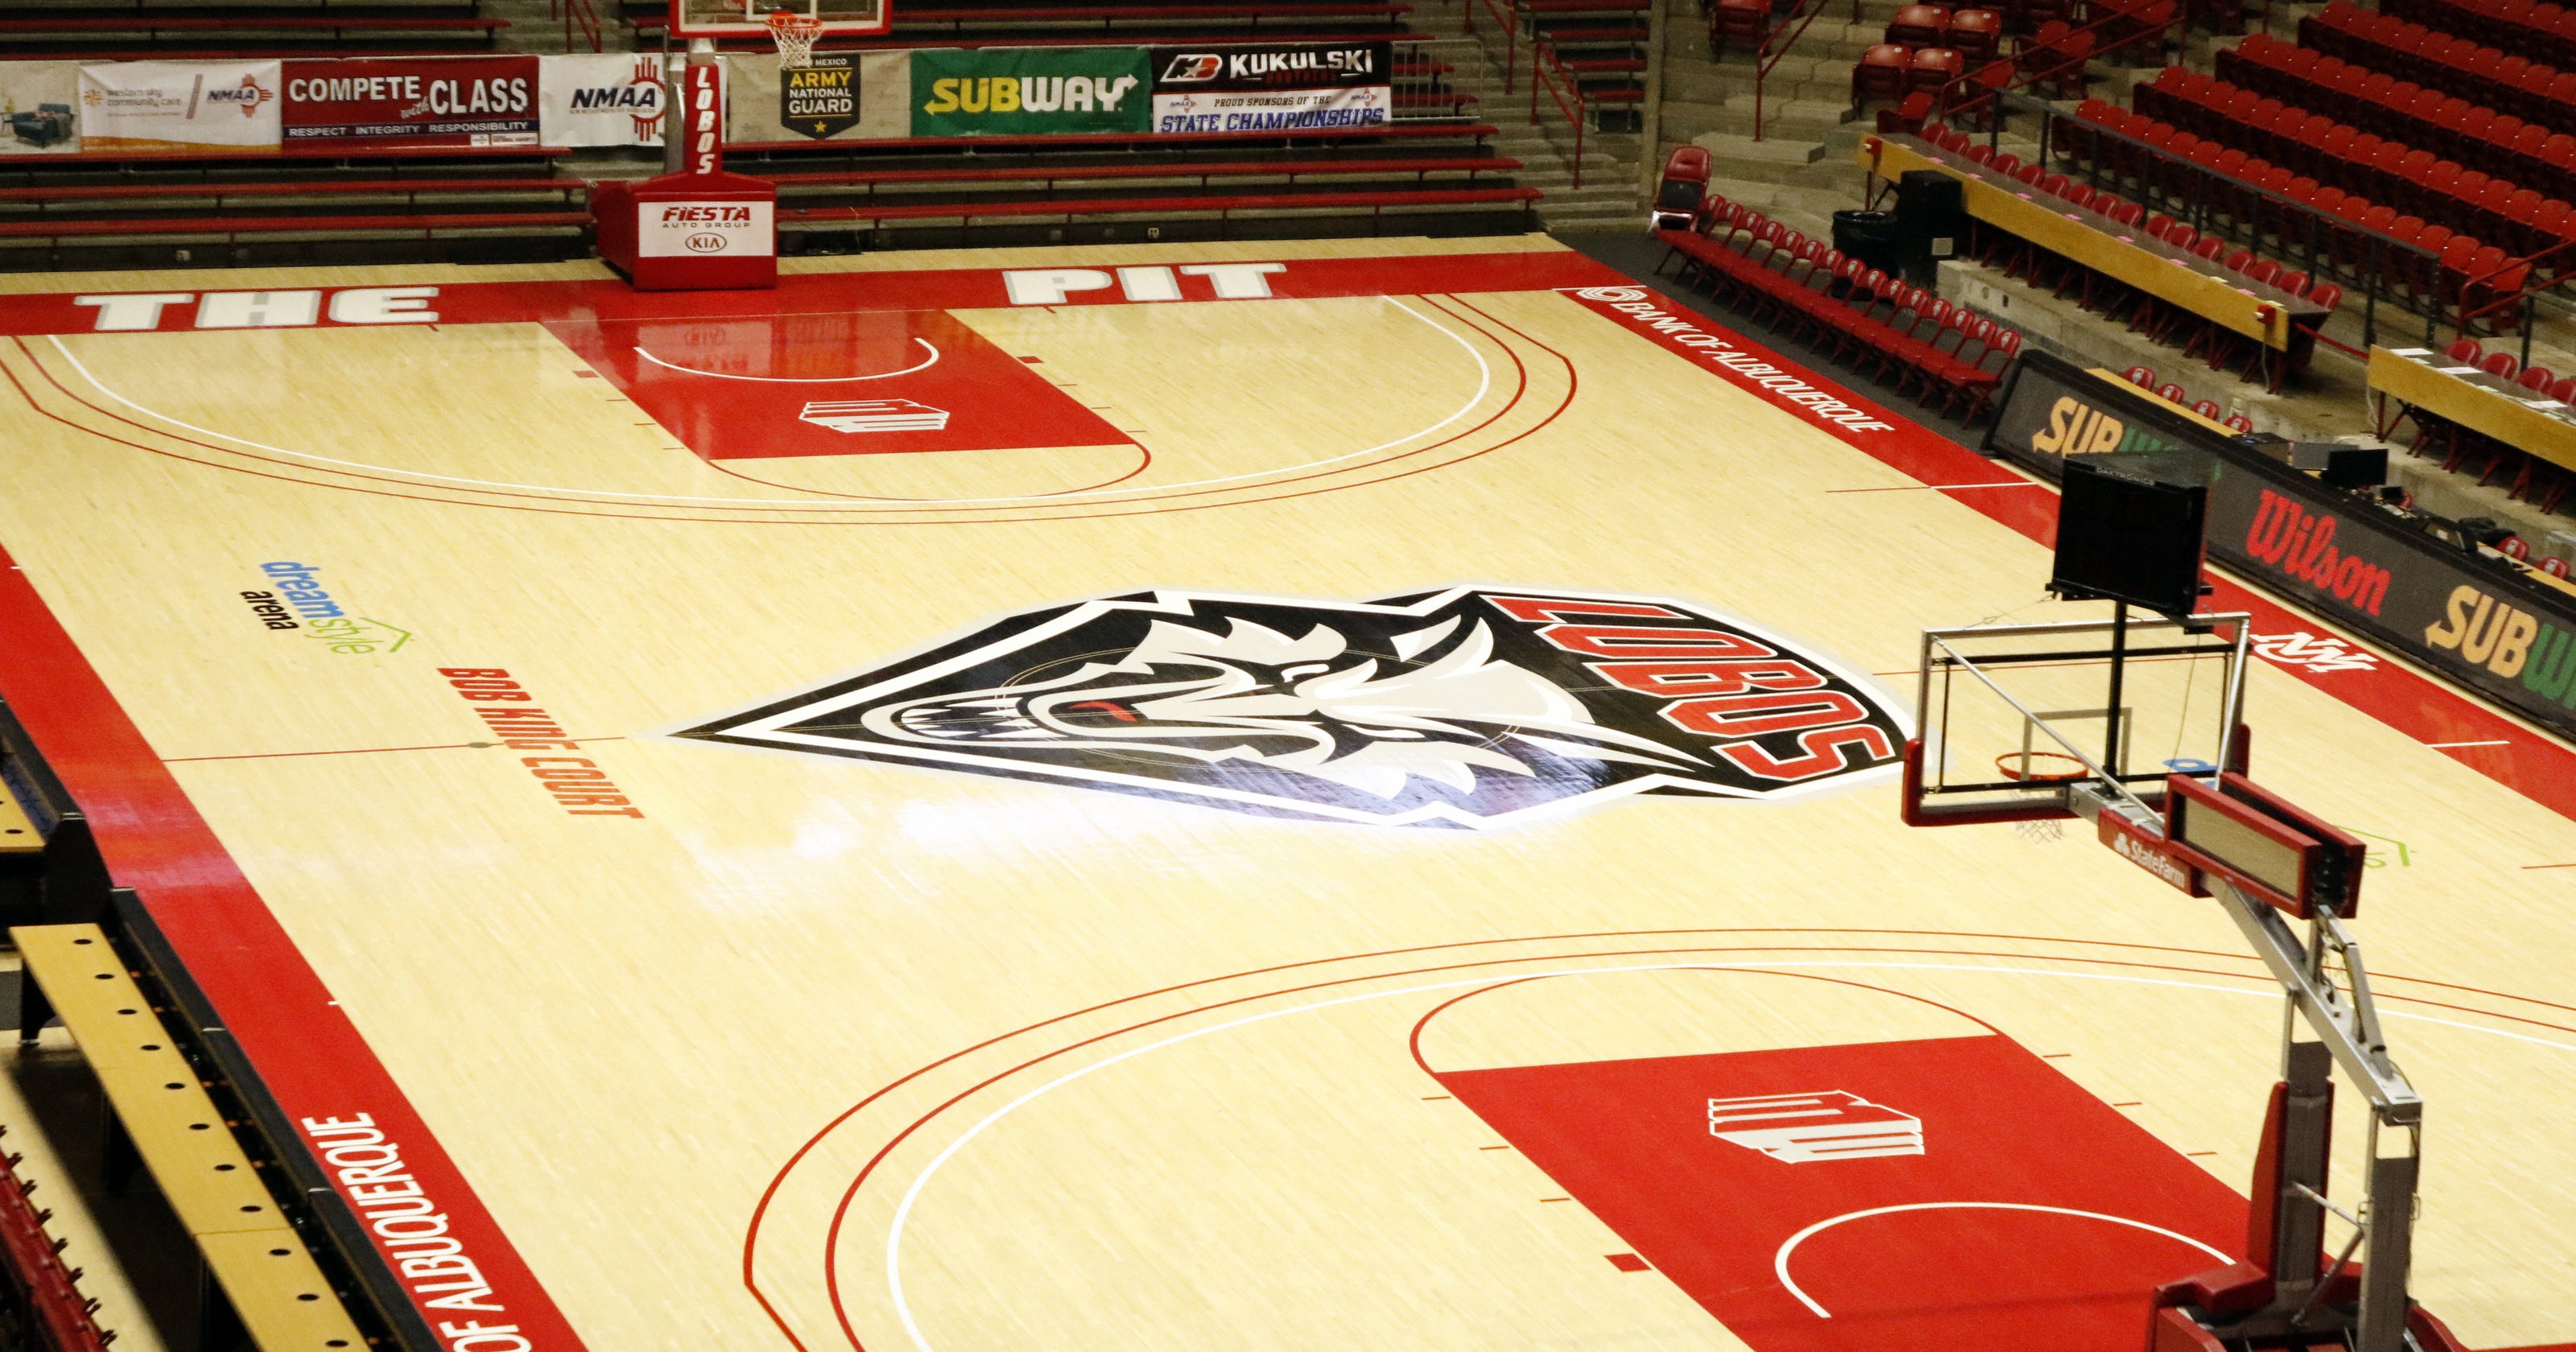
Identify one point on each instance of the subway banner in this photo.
(1029, 91)
(1254, 91)
(412, 101)
(2483, 621)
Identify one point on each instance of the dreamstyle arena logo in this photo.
(1466, 707)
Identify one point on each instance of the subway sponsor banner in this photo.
(214, 106)
(1030, 91)
(1251, 91)
(2481, 621)
(417, 101)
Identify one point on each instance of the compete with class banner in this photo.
(1030, 91)
(1253, 91)
(417, 101)
(2481, 622)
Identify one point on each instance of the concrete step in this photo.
(1731, 149)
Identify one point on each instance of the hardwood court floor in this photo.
(939, 1010)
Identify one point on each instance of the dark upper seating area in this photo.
(974, 23)
(131, 30)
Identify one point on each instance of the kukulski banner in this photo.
(611, 99)
(39, 107)
(844, 96)
(417, 101)
(212, 106)
(1029, 91)
(1255, 91)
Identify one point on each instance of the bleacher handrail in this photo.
(1802, 13)
(581, 14)
(2178, 15)
(1507, 14)
(1542, 58)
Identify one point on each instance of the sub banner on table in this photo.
(39, 107)
(414, 101)
(213, 106)
(613, 99)
(1030, 91)
(1254, 91)
(2481, 622)
(873, 105)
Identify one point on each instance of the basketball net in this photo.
(795, 34)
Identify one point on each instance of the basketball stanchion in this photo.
(2076, 720)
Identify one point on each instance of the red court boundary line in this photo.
(301, 1044)
(831, 1265)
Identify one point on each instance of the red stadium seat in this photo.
(1880, 75)
(1919, 26)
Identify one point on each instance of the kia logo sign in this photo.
(705, 241)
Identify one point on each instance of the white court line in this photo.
(1780, 1260)
(925, 365)
(2501, 741)
(1484, 386)
(903, 1209)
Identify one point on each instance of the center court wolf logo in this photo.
(1467, 707)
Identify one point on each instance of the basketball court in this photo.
(1048, 798)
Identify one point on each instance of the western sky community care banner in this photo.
(1252, 91)
(413, 101)
(169, 105)
(853, 96)
(1030, 91)
(39, 107)
(2480, 622)
(614, 99)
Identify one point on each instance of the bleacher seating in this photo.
(141, 209)
(1784, 279)
(2315, 150)
(1430, 176)
(1599, 44)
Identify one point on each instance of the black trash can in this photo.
(1873, 237)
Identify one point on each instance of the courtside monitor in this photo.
(2125, 539)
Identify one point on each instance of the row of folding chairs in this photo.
(2429, 263)
(2547, 31)
(2451, 128)
(2508, 82)
(2464, 450)
(2413, 180)
(1902, 334)
(2144, 377)
(2145, 312)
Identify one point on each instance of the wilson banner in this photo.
(2409, 581)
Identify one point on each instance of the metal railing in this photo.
(1543, 62)
(1507, 14)
(1768, 52)
(582, 15)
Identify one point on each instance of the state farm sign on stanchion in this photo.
(701, 229)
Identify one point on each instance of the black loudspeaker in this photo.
(1932, 220)
(2124, 539)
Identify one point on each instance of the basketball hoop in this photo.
(795, 34)
(2040, 767)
